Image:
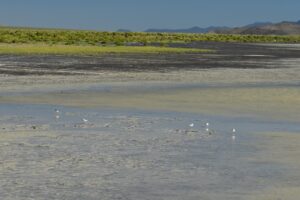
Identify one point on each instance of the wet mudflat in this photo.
(226, 55)
(89, 136)
(134, 154)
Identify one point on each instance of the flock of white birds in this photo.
(233, 136)
(207, 129)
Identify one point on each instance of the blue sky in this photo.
(139, 15)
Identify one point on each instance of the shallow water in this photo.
(140, 154)
(266, 101)
(138, 143)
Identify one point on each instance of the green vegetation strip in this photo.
(87, 50)
(71, 37)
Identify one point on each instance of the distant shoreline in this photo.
(46, 49)
(13, 35)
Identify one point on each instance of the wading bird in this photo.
(233, 133)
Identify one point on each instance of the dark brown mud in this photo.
(227, 55)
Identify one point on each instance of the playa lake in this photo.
(134, 126)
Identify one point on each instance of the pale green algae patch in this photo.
(280, 193)
(18, 138)
(87, 50)
(267, 102)
(280, 148)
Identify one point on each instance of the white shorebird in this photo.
(233, 134)
(208, 131)
(57, 116)
(207, 124)
(56, 110)
(84, 120)
(192, 125)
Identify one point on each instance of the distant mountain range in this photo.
(261, 28)
(282, 28)
(124, 30)
(194, 29)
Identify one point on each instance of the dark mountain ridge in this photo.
(281, 28)
(194, 29)
(257, 28)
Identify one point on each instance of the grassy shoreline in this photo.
(70, 37)
(89, 50)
